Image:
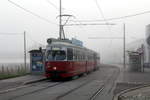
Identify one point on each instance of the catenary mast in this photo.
(60, 21)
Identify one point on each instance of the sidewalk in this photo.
(19, 81)
(132, 84)
(138, 93)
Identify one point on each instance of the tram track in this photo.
(93, 97)
(72, 90)
(91, 89)
(47, 87)
(23, 85)
(37, 90)
(109, 79)
(97, 93)
(112, 78)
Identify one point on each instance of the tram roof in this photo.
(66, 44)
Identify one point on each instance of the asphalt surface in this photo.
(98, 85)
(19, 81)
(102, 84)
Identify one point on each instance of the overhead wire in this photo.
(66, 21)
(89, 24)
(32, 13)
(35, 41)
(11, 34)
(115, 18)
(105, 37)
(4, 33)
(101, 12)
(52, 4)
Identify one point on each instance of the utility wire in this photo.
(101, 12)
(105, 37)
(34, 14)
(112, 37)
(89, 24)
(52, 4)
(115, 18)
(1, 33)
(35, 41)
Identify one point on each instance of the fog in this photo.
(14, 21)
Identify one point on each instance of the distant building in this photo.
(142, 46)
(147, 45)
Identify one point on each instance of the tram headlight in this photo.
(54, 68)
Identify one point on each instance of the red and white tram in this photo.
(65, 59)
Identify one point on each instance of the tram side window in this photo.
(83, 55)
(74, 55)
(79, 56)
(77, 53)
(88, 58)
(70, 54)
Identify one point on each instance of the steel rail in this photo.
(114, 75)
(35, 91)
(72, 90)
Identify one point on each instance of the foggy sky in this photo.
(15, 20)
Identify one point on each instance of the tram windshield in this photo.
(56, 55)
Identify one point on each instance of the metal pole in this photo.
(25, 63)
(142, 59)
(124, 45)
(60, 26)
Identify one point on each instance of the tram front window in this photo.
(56, 55)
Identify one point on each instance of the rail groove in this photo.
(38, 90)
(112, 78)
(72, 90)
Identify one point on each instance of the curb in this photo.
(118, 95)
(34, 81)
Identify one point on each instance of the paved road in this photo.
(98, 85)
(19, 81)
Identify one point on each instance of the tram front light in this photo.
(54, 68)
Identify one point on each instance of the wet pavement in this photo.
(97, 85)
(130, 79)
(19, 81)
(102, 84)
